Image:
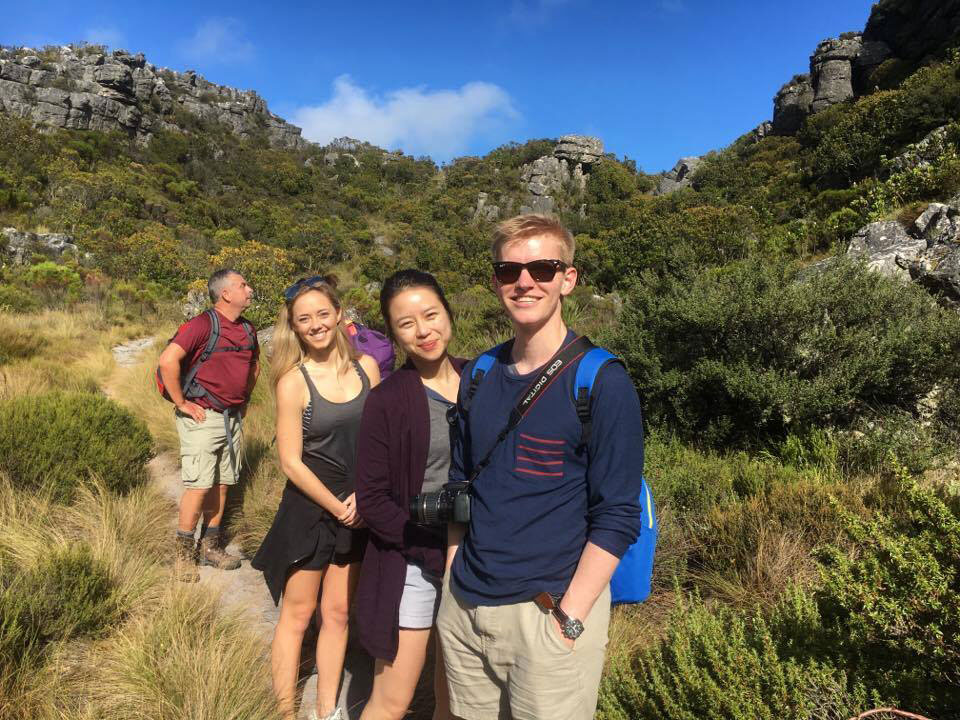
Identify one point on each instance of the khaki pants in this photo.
(204, 455)
(510, 661)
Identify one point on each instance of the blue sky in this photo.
(655, 79)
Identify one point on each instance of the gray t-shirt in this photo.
(438, 457)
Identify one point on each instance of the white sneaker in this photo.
(335, 715)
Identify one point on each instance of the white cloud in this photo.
(218, 40)
(439, 123)
(109, 36)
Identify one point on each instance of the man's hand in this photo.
(563, 638)
(193, 410)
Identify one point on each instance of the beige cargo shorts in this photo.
(204, 454)
(510, 661)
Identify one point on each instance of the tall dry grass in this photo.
(59, 350)
(183, 657)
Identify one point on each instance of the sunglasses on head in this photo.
(540, 270)
(291, 292)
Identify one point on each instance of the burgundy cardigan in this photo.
(392, 447)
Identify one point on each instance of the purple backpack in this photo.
(375, 344)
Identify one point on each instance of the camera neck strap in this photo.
(554, 368)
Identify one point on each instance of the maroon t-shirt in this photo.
(225, 374)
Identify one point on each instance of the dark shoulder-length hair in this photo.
(404, 280)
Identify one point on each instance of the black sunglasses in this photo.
(540, 270)
(291, 292)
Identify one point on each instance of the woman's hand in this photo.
(349, 516)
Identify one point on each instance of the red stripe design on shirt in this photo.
(537, 472)
(541, 440)
(540, 462)
(540, 450)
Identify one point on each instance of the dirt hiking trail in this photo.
(243, 589)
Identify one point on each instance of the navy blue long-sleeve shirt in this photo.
(539, 501)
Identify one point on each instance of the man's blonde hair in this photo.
(522, 227)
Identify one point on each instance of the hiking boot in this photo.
(185, 564)
(212, 554)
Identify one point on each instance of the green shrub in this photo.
(54, 441)
(746, 353)
(716, 663)
(17, 299)
(849, 141)
(893, 608)
(71, 594)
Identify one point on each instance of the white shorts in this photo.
(420, 599)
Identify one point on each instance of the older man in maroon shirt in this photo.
(209, 425)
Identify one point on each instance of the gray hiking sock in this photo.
(210, 531)
(184, 535)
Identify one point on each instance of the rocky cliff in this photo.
(841, 68)
(86, 88)
(568, 166)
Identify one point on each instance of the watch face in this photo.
(572, 629)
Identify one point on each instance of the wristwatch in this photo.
(570, 627)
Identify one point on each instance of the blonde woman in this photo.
(316, 543)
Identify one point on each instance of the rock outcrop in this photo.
(484, 211)
(569, 166)
(914, 29)
(85, 88)
(927, 253)
(887, 248)
(679, 177)
(839, 68)
(922, 153)
(20, 245)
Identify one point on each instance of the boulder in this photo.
(679, 177)
(21, 245)
(195, 303)
(939, 223)
(939, 271)
(579, 149)
(792, 105)
(831, 70)
(483, 211)
(887, 248)
(920, 154)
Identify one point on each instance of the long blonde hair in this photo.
(288, 349)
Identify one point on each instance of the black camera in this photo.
(449, 504)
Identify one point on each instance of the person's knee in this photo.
(334, 614)
(296, 616)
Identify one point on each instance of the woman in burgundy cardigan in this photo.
(403, 449)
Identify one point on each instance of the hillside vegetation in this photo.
(802, 418)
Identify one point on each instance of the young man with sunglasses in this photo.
(523, 620)
(208, 422)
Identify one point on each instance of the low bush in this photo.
(744, 354)
(893, 608)
(70, 594)
(720, 663)
(54, 441)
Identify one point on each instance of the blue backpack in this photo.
(631, 580)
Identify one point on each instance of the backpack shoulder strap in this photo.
(207, 350)
(248, 329)
(590, 365)
(481, 367)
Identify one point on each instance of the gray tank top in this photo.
(330, 435)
